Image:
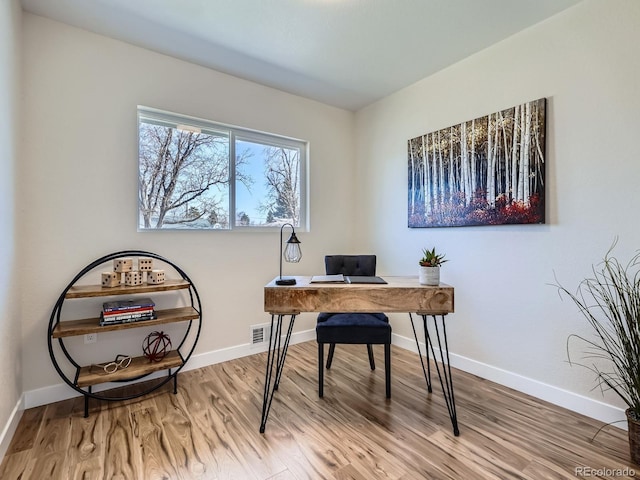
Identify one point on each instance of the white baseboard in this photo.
(563, 398)
(558, 396)
(10, 427)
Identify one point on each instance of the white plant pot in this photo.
(429, 275)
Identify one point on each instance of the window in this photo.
(195, 174)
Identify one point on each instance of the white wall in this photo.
(77, 186)
(510, 323)
(11, 371)
(78, 180)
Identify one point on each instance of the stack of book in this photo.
(125, 311)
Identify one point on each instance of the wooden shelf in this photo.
(177, 291)
(139, 366)
(71, 328)
(86, 291)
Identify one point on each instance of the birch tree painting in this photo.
(487, 171)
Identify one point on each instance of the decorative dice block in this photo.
(123, 265)
(155, 277)
(145, 264)
(133, 278)
(110, 279)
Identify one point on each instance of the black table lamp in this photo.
(291, 254)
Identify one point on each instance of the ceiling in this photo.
(347, 53)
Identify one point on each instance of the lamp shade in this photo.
(293, 252)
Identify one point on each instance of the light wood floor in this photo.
(209, 429)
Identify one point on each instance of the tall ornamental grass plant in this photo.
(610, 302)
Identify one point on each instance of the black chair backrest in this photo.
(363, 265)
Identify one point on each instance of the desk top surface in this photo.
(406, 281)
(399, 294)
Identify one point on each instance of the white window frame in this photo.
(173, 120)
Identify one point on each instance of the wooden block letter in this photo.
(110, 279)
(155, 277)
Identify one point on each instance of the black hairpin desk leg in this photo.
(86, 404)
(443, 367)
(276, 357)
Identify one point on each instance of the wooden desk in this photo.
(399, 294)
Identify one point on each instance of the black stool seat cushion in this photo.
(353, 328)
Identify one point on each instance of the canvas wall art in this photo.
(486, 171)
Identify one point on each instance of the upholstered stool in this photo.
(351, 327)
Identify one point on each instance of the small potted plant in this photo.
(429, 273)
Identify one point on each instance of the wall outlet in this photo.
(90, 338)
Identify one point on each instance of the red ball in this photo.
(156, 346)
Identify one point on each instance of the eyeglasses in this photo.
(121, 361)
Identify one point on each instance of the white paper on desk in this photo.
(328, 278)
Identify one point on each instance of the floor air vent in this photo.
(259, 334)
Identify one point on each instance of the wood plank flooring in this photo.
(209, 430)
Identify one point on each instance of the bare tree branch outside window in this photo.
(185, 175)
(282, 175)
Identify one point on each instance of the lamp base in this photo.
(286, 281)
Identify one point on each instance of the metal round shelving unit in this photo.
(59, 329)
